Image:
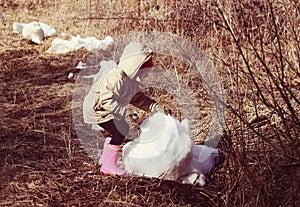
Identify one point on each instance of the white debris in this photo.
(163, 143)
(50, 31)
(75, 43)
(105, 67)
(32, 31)
(35, 31)
(203, 162)
(164, 149)
(81, 65)
(71, 75)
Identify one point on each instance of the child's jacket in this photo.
(118, 88)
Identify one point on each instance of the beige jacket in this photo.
(109, 96)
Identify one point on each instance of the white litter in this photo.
(71, 75)
(77, 42)
(82, 65)
(105, 67)
(198, 166)
(35, 31)
(165, 150)
(50, 31)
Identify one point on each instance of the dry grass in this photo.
(255, 47)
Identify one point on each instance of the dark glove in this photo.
(162, 109)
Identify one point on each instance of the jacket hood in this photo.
(133, 57)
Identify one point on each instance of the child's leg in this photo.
(117, 130)
(111, 149)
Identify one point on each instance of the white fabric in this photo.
(165, 149)
(77, 42)
(35, 31)
(82, 65)
(105, 67)
(198, 169)
(50, 31)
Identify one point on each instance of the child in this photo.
(106, 101)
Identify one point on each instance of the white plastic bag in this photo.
(163, 143)
(35, 31)
(165, 150)
(60, 46)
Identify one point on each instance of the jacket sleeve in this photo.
(143, 102)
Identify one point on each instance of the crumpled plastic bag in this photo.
(204, 160)
(35, 31)
(60, 46)
(165, 150)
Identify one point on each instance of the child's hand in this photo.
(162, 109)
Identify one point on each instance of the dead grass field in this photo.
(255, 47)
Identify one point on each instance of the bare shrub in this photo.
(256, 49)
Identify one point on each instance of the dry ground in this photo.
(42, 161)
